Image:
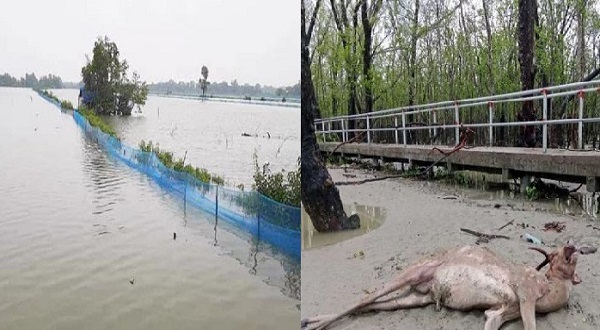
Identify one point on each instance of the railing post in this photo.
(544, 118)
(368, 130)
(404, 127)
(457, 122)
(347, 125)
(580, 124)
(434, 123)
(343, 130)
(323, 130)
(396, 126)
(491, 109)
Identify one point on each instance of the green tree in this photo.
(106, 77)
(203, 81)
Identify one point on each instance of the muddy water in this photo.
(211, 133)
(371, 217)
(87, 242)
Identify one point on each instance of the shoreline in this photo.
(419, 221)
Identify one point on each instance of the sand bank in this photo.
(421, 218)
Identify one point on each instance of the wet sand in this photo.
(421, 220)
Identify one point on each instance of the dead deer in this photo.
(473, 277)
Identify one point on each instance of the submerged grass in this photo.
(49, 94)
(97, 121)
(166, 157)
(65, 104)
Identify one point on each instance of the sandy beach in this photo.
(422, 218)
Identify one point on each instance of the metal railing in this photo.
(401, 113)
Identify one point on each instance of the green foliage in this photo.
(106, 76)
(49, 94)
(97, 121)
(280, 186)
(532, 193)
(455, 58)
(166, 158)
(66, 104)
(464, 179)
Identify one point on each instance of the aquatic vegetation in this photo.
(166, 157)
(97, 121)
(280, 186)
(65, 104)
(49, 94)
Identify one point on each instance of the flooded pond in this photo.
(371, 218)
(87, 242)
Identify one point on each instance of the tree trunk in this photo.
(488, 29)
(367, 24)
(320, 197)
(527, 13)
(412, 66)
(581, 38)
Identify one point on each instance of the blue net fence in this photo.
(269, 221)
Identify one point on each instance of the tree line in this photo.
(30, 80)
(224, 89)
(368, 55)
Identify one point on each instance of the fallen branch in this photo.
(506, 224)
(381, 178)
(481, 237)
(462, 144)
(354, 139)
(594, 227)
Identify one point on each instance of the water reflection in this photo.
(371, 217)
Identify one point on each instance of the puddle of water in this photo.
(371, 217)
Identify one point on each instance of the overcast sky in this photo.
(253, 41)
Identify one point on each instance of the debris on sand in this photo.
(531, 239)
(481, 237)
(555, 225)
(359, 254)
(587, 249)
(506, 224)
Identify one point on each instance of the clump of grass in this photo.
(457, 178)
(66, 104)
(166, 157)
(97, 121)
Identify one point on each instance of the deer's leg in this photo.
(414, 299)
(497, 317)
(527, 308)
(412, 276)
